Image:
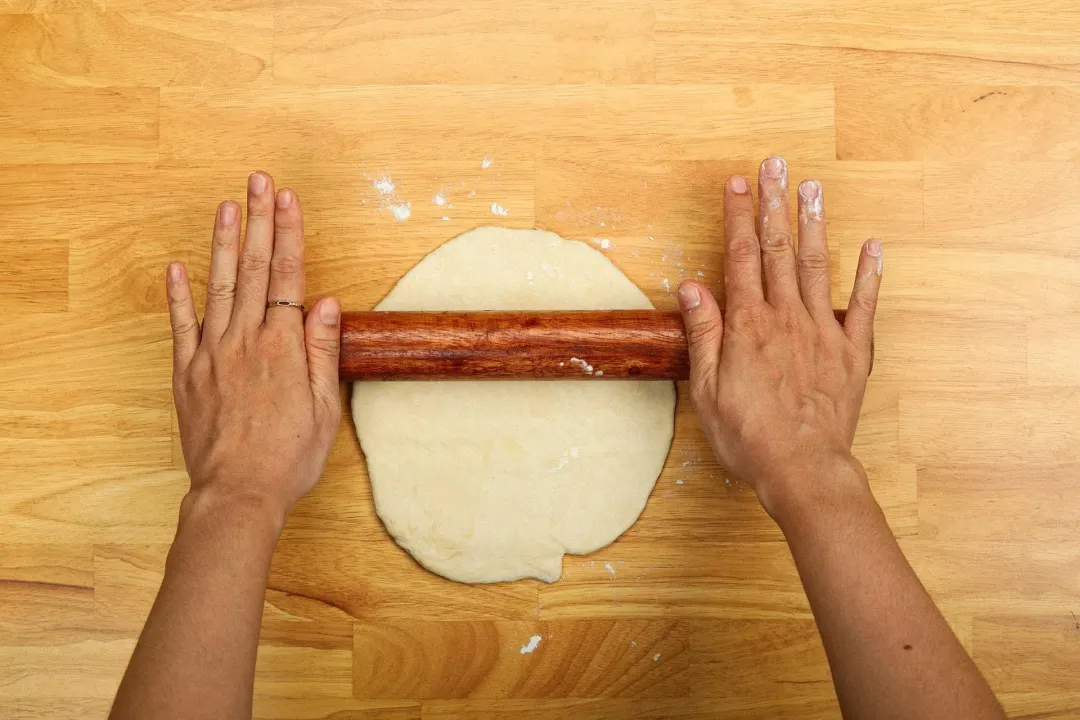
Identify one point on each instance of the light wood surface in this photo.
(949, 130)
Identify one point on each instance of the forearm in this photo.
(196, 655)
(891, 652)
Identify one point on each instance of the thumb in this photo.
(322, 338)
(704, 333)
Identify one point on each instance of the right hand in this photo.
(778, 386)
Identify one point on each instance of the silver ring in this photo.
(285, 303)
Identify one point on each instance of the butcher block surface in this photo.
(950, 131)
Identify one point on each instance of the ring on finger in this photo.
(286, 303)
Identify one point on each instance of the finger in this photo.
(859, 323)
(287, 263)
(742, 255)
(254, 277)
(322, 337)
(777, 249)
(704, 334)
(185, 324)
(224, 255)
(813, 256)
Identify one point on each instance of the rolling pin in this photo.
(581, 345)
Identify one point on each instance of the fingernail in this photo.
(812, 205)
(738, 185)
(176, 273)
(329, 312)
(284, 198)
(257, 183)
(875, 250)
(689, 297)
(809, 190)
(227, 213)
(774, 168)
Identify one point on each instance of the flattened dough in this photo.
(484, 481)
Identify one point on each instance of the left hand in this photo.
(256, 387)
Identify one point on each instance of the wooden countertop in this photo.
(950, 132)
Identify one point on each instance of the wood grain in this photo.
(946, 130)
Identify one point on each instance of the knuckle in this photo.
(326, 346)
(864, 302)
(184, 327)
(703, 329)
(225, 241)
(260, 208)
(776, 240)
(286, 265)
(253, 264)
(813, 261)
(742, 249)
(221, 289)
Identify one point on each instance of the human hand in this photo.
(778, 382)
(256, 388)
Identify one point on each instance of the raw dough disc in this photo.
(483, 481)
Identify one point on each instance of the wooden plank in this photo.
(586, 122)
(1050, 343)
(1002, 211)
(594, 42)
(34, 276)
(897, 41)
(948, 347)
(139, 49)
(661, 578)
(55, 708)
(589, 658)
(943, 426)
(70, 125)
(1042, 577)
(87, 668)
(270, 708)
(485, 659)
(969, 502)
(1030, 654)
(342, 578)
(45, 585)
(781, 703)
(941, 122)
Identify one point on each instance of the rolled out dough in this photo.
(483, 481)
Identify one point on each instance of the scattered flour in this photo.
(439, 199)
(578, 362)
(486, 163)
(534, 642)
(611, 570)
(656, 657)
(602, 242)
(384, 185)
(401, 211)
(498, 209)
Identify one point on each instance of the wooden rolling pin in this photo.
(605, 344)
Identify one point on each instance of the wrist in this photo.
(219, 506)
(822, 492)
